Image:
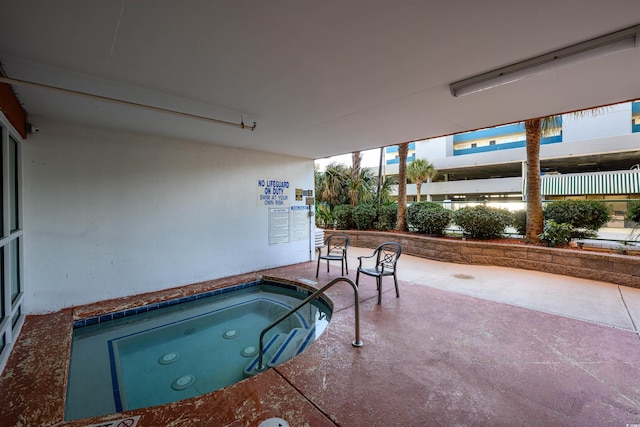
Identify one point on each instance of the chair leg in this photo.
(342, 266)
(395, 279)
(327, 266)
(357, 277)
(318, 267)
(346, 263)
(379, 282)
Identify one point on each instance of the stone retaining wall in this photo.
(606, 267)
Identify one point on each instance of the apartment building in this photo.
(587, 156)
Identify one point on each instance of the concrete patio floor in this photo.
(463, 345)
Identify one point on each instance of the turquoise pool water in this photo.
(184, 349)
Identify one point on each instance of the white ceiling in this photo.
(320, 78)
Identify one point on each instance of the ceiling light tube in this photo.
(590, 49)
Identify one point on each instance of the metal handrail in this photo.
(355, 343)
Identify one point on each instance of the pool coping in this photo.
(43, 397)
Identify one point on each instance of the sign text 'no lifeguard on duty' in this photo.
(273, 192)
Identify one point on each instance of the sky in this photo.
(370, 158)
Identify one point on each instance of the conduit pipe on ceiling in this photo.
(26, 83)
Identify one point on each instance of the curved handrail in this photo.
(355, 343)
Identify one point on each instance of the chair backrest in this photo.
(336, 243)
(388, 254)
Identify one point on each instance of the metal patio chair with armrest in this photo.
(336, 245)
(386, 257)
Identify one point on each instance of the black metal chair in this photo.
(386, 256)
(336, 250)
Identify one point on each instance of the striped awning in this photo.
(620, 182)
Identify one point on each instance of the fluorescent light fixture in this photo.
(590, 49)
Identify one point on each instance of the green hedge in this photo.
(633, 214)
(387, 217)
(364, 216)
(343, 215)
(585, 216)
(520, 222)
(481, 222)
(555, 234)
(428, 217)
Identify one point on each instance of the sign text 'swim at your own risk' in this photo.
(274, 193)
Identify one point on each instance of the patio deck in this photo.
(463, 345)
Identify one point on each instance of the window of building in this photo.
(11, 239)
(474, 145)
(492, 142)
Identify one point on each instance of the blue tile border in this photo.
(155, 306)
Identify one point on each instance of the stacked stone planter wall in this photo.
(606, 267)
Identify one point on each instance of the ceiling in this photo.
(319, 78)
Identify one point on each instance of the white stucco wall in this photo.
(606, 122)
(109, 213)
(434, 148)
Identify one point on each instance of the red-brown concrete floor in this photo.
(431, 357)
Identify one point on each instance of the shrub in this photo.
(588, 214)
(343, 217)
(633, 214)
(481, 222)
(555, 234)
(364, 216)
(324, 216)
(428, 217)
(387, 217)
(520, 222)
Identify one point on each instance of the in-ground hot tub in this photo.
(183, 348)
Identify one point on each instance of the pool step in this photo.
(281, 348)
(296, 341)
(270, 348)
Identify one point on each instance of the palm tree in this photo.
(356, 159)
(386, 190)
(354, 179)
(340, 184)
(332, 184)
(361, 187)
(535, 221)
(535, 129)
(420, 171)
(403, 150)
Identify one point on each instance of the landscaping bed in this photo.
(510, 252)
